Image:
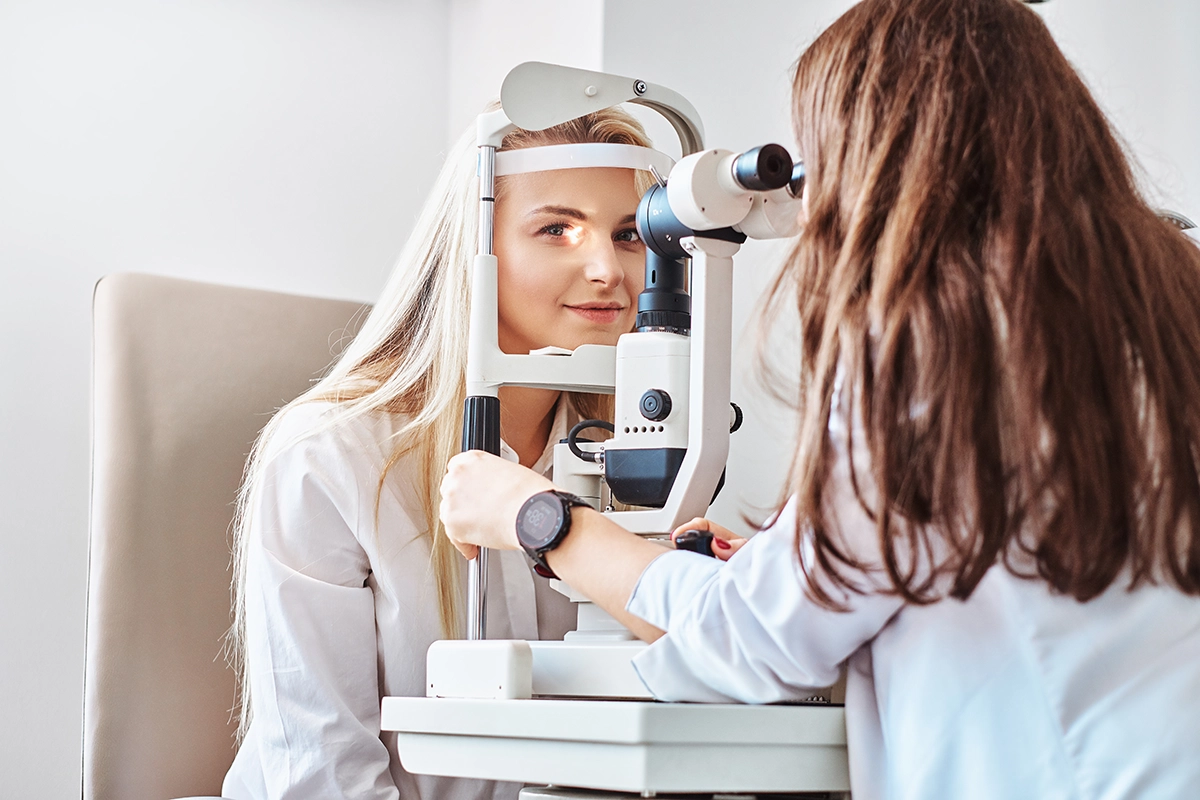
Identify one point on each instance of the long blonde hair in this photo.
(410, 358)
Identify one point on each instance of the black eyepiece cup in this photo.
(764, 168)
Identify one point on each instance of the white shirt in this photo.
(1013, 693)
(340, 613)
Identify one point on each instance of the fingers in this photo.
(469, 551)
(702, 524)
(696, 524)
(724, 549)
(480, 497)
(451, 530)
(724, 542)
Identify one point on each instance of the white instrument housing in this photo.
(703, 193)
(773, 215)
(659, 360)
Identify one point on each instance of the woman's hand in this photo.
(725, 543)
(481, 495)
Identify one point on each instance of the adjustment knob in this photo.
(655, 405)
(697, 541)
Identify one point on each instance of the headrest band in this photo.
(580, 156)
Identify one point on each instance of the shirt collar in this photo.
(558, 431)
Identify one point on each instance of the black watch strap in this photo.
(545, 540)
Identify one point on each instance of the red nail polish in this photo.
(721, 543)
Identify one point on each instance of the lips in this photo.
(600, 313)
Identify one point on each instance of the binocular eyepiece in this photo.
(712, 191)
(722, 195)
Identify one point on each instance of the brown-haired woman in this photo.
(995, 499)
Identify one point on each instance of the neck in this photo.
(526, 416)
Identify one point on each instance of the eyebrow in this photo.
(562, 211)
(573, 213)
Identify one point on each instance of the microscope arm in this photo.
(708, 393)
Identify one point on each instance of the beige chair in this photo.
(184, 376)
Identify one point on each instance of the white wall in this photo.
(732, 61)
(284, 145)
(490, 37)
(1142, 60)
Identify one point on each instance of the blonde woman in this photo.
(344, 576)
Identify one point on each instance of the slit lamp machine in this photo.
(572, 715)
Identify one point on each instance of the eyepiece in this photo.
(764, 168)
(796, 184)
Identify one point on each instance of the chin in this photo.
(608, 337)
(572, 342)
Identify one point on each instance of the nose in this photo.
(602, 265)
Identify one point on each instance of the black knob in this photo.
(655, 405)
(696, 541)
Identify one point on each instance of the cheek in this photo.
(634, 265)
(530, 276)
(513, 274)
(513, 280)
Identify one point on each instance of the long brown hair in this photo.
(1018, 333)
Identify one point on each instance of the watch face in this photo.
(540, 521)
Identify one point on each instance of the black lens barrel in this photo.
(658, 226)
(763, 168)
(664, 304)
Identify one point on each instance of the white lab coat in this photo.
(340, 613)
(1014, 693)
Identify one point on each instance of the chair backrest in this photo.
(184, 376)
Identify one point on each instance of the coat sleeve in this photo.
(311, 643)
(746, 631)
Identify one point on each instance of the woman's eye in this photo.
(628, 235)
(555, 229)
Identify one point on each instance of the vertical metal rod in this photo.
(487, 199)
(477, 569)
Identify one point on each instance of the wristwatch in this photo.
(542, 524)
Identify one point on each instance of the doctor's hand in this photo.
(725, 542)
(481, 495)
